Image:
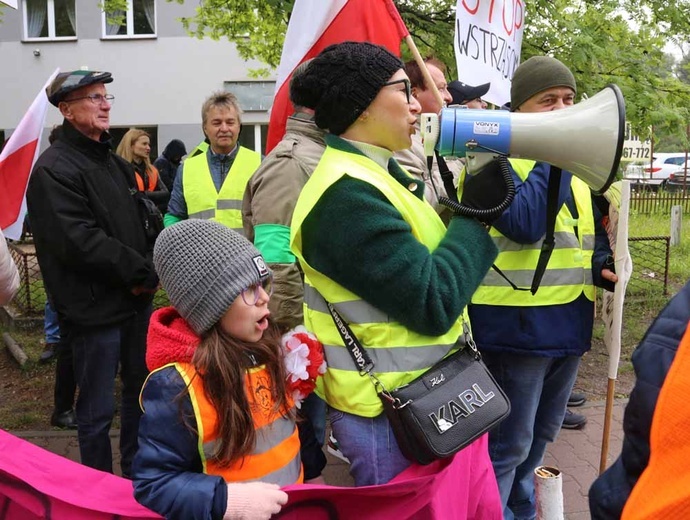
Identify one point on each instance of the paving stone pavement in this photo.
(576, 453)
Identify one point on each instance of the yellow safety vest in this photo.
(569, 271)
(224, 206)
(275, 457)
(399, 354)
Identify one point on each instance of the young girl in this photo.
(218, 436)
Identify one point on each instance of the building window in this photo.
(253, 96)
(139, 21)
(50, 19)
(253, 136)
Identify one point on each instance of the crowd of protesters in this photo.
(345, 210)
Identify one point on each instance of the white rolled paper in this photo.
(548, 483)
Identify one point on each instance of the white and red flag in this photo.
(16, 161)
(316, 24)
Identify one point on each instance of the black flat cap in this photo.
(66, 82)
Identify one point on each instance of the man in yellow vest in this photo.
(533, 343)
(211, 185)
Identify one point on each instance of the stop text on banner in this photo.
(488, 41)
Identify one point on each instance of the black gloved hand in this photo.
(486, 189)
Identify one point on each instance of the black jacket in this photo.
(89, 240)
(652, 360)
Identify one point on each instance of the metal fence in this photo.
(650, 256)
(31, 296)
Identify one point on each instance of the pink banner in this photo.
(37, 484)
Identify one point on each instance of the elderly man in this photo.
(211, 185)
(413, 159)
(533, 343)
(95, 261)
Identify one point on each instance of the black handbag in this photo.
(150, 216)
(443, 410)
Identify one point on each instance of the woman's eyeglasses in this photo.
(250, 295)
(408, 87)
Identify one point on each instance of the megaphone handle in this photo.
(487, 215)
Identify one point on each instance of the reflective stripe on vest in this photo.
(276, 454)
(224, 206)
(569, 271)
(399, 354)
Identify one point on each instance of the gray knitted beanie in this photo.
(346, 77)
(536, 75)
(204, 266)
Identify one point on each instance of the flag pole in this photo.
(422, 67)
(618, 196)
(608, 412)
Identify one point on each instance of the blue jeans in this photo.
(50, 324)
(315, 409)
(98, 352)
(538, 389)
(369, 444)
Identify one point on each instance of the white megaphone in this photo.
(585, 139)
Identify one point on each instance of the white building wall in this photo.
(158, 81)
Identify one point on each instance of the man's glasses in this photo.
(96, 99)
(250, 295)
(408, 87)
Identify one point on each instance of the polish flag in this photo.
(316, 24)
(16, 161)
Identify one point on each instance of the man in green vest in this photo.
(211, 185)
(533, 343)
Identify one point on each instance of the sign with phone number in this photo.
(636, 151)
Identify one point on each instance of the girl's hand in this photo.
(254, 500)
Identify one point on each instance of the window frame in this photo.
(129, 22)
(50, 15)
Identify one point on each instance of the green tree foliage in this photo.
(602, 41)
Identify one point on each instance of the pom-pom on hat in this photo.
(66, 82)
(204, 266)
(536, 75)
(345, 78)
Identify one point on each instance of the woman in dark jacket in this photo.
(652, 360)
(135, 148)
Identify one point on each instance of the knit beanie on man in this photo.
(344, 79)
(536, 75)
(204, 266)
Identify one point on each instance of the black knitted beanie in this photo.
(344, 79)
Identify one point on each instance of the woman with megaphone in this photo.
(371, 245)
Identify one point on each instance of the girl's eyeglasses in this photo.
(250, 295)
(406, 83)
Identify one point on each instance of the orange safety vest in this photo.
(276, 456)
(663, 490)
(153, 179)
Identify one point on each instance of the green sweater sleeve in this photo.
(169, 219)
(355, 236)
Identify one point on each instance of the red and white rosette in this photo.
(304, 362)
